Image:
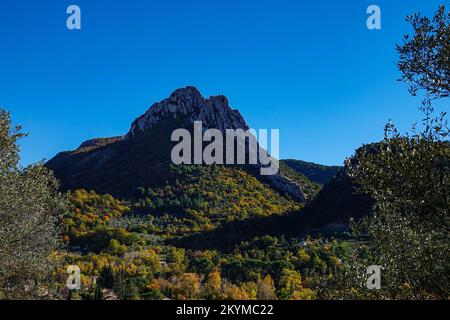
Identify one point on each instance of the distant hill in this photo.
(315, 172)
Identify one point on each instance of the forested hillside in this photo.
(315, 172)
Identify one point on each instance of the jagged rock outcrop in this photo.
(285, 184)
(214, 112)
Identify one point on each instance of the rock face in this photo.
(119, 165)
(214, 112)
(284, 184)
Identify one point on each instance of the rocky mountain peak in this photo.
(186, 96)
(119, 165)
(214, 112)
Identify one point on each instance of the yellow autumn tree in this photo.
(213, 285)
(266, 289)
(189, 285)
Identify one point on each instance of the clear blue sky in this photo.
(310, 68)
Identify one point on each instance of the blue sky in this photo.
(310, 68)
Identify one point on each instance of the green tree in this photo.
(98, 295)
(408, 176)
(424, 57)
(30, 208)
(290, 282)
(107, 278)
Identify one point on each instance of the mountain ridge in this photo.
(141, 158)
(319, 173)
